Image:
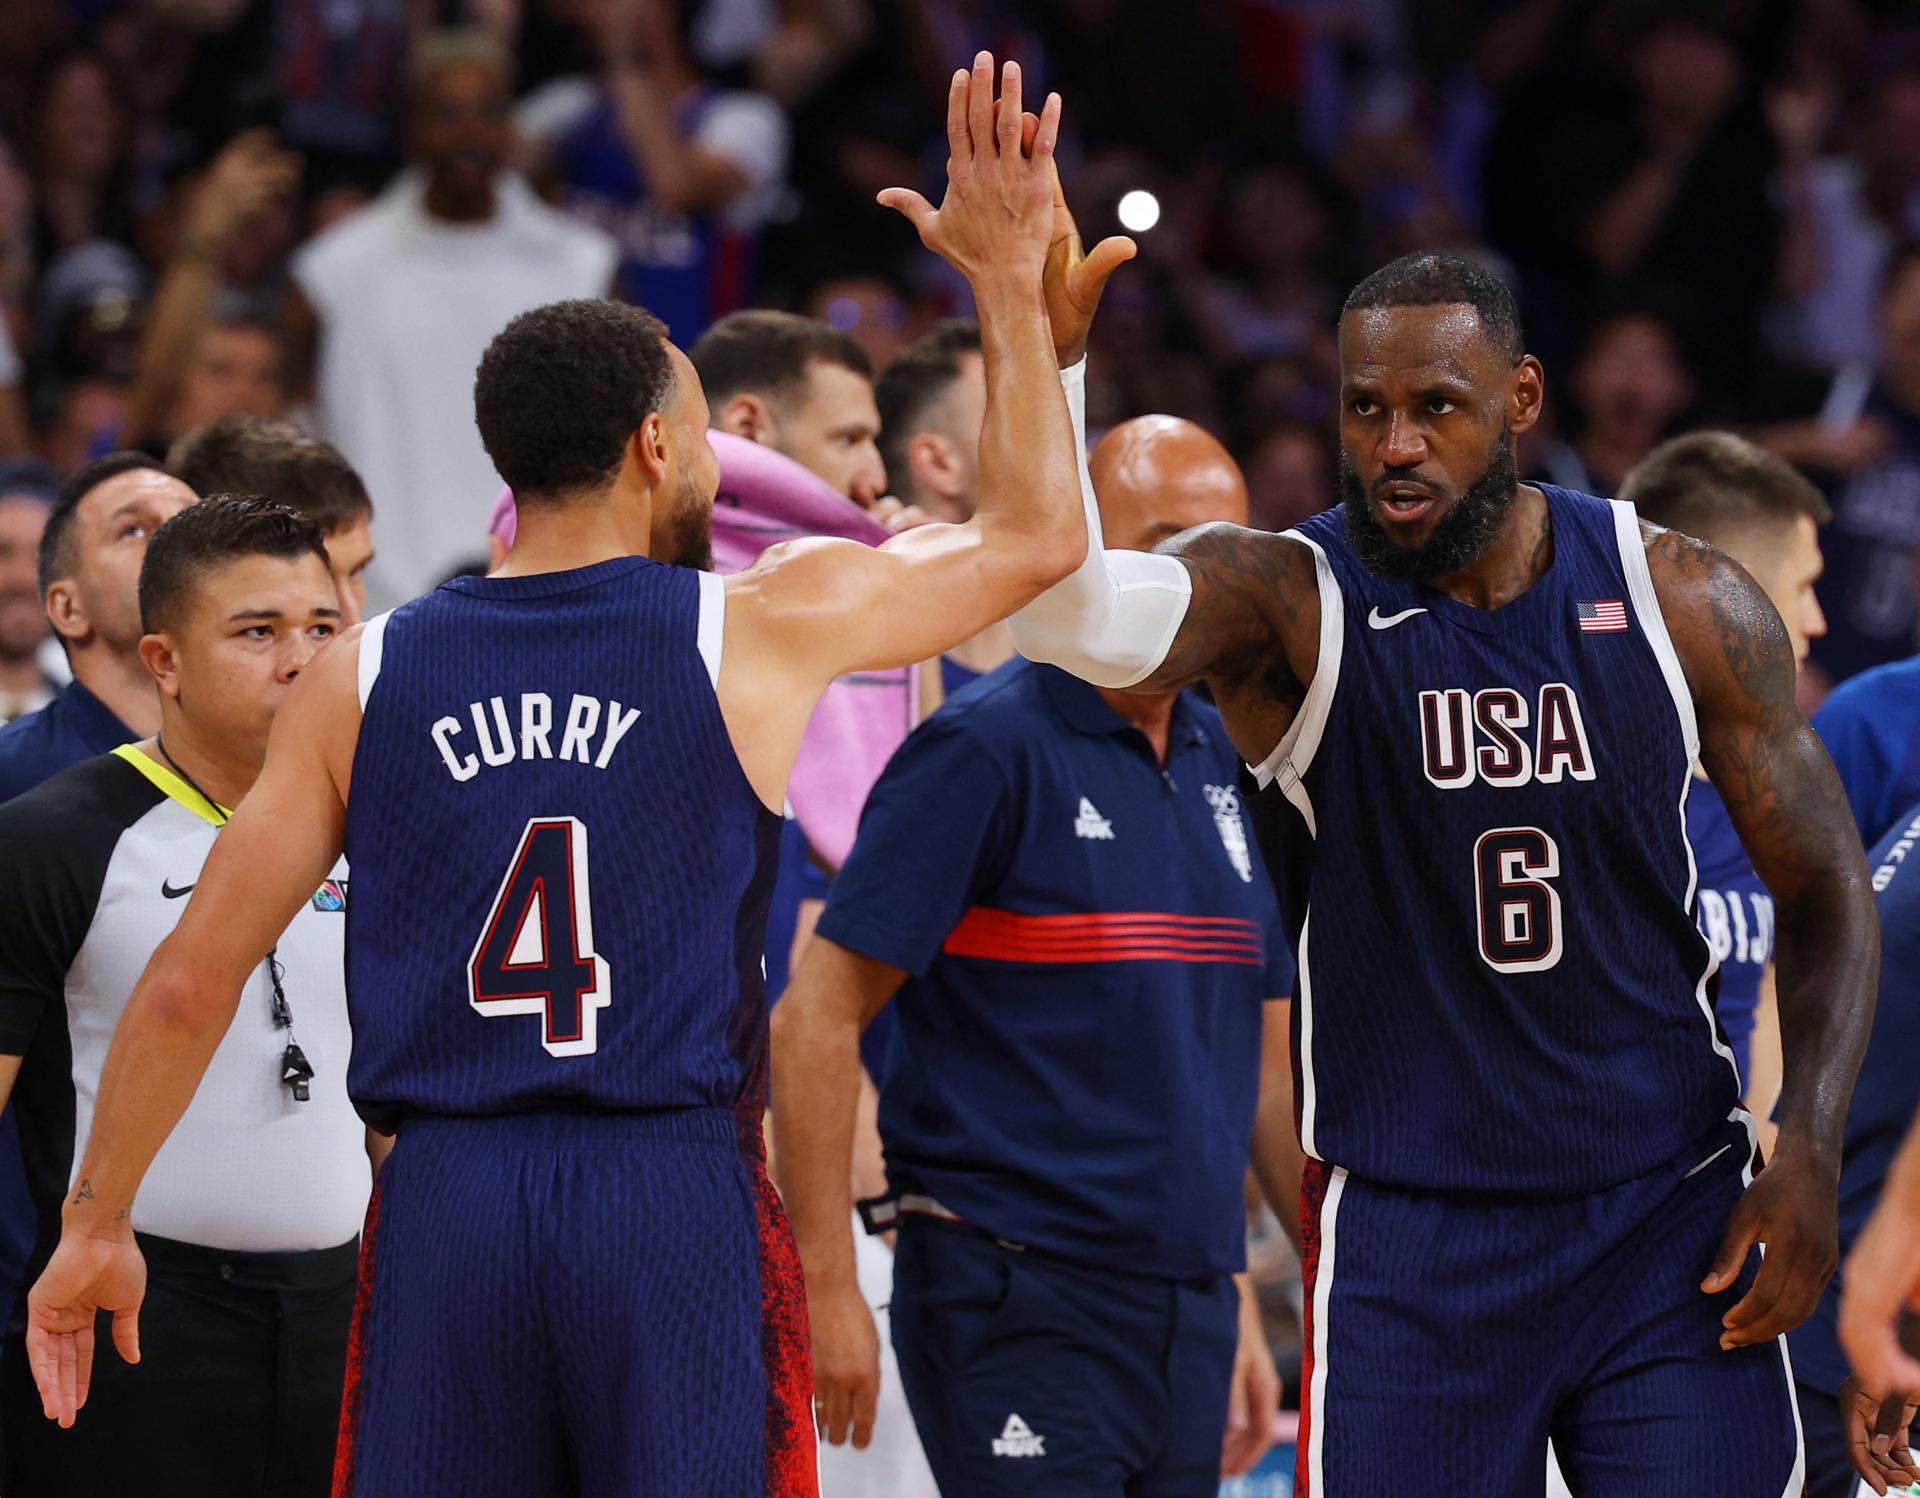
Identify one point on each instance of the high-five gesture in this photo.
(1075, 278)
(996, 219)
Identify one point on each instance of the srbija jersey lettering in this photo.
(1502, 986)
(560, 872)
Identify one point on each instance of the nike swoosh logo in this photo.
(1378, 620)
(168, 892)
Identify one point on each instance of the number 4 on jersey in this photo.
(535, 954)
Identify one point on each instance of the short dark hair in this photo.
(1714, 485)
(56, 553)
(767, 353)
(253, 455)
(561, 390)
(221, 528)
(914, 382)
(1435, 278)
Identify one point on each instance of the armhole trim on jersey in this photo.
(1293, 755)
(713, 623)
(1653, 623)
(373, 643)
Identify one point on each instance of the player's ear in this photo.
(648, 448)
(1526, 394)
(158, 655)
(746, 416)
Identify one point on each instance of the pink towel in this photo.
(766, 497)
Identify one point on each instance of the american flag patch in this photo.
(1602, 615)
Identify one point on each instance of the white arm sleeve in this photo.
(1113, 621)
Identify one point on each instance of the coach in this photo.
(1058, 884)
(251, 1211)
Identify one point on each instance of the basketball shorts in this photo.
(1449, 1337)
(1029, 1375)
(557, 1305)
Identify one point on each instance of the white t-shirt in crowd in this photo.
(407, 303)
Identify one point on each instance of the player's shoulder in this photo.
(1228, 548)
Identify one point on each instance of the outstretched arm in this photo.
(265, 864)
(823, 608)
(1791, 812)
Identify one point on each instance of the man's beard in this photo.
(691, 528)
(1457, 541)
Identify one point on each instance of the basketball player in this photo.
(565, 781)
(1478, 704)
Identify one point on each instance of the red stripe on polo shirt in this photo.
(1106, 936)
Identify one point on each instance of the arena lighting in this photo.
(1139, 211)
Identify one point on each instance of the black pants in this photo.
(237, 1393)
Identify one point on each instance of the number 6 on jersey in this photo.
(535, 955)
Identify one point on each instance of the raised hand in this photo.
(86, 1275)
(996, 220)
(1074, 279)
(249, 175)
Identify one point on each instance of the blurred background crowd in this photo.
(308, 207)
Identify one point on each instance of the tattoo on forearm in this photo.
(84, 1191)
(1791, 810)
(1242, 580)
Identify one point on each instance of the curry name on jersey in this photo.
(561, 872)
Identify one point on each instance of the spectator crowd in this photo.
(265, 242)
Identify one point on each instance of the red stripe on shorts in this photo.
(356, 1355)
(786, 1346)
(1313, 1196)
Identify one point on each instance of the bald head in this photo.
(1159, 475)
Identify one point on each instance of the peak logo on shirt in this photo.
(331, 896)
(1017, 1438)
(1090, 824)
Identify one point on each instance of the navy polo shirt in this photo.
(1735, 914)
(1089, 940)
(76, 725)
(1887, 1093)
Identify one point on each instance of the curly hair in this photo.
(221, 528)
(1434, 278)
(562, 388)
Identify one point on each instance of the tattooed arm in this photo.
(1791, 812)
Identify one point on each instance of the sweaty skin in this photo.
(1426, 399)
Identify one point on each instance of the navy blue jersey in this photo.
(1089, 938)
(560, 871)
(1736, 916)
(1886, 1094)
(1502, 987)
(1871, 727)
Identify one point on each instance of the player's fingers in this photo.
(1859, 1456)
(1105, 258)
(904, 200)
(1007, 122)
(126, 1334)
(866, 1399)
(959, 144)
(1752, 1318)
(68, 1402)
(1743, 1229)
(1029, 128)
(1048, 135)
(980, 105)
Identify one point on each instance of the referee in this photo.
(251, 1211)
(1056, 886)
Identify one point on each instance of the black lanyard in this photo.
(295, 1070)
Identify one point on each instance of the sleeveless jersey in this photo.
(1502, 987)
(560, 871)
